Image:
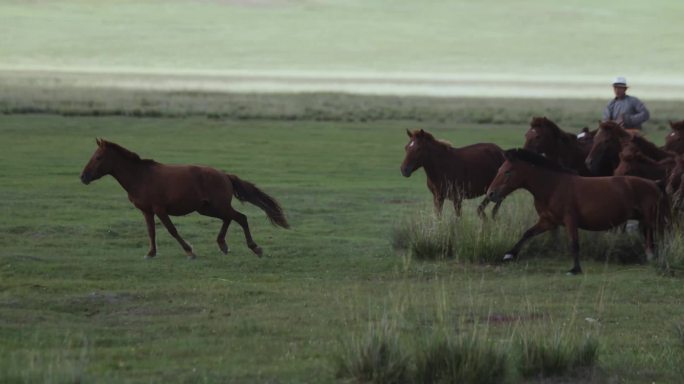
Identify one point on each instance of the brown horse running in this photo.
(546, 138)
(634, 163)
(674, 141)
(453, 173)
(608, 142)
(163, 190)
(561, 197)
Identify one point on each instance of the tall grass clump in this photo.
(670, 250)
(557, 355)
(375, 357)
(468, 358)
(426, 236)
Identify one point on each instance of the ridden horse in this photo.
(546, 138)
(453, 173)
(561, 197)
(163, 190)
(634, 163)
(608, 142)
(674, 141)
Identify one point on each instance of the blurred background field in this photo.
(528, 48)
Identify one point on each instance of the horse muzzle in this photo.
(494, 196)
(406, 171)
(85, 178)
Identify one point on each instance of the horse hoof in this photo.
(573, 272)
(508, 257)
(149, 257)
(224, 248)
(257, 250)
(191, 256)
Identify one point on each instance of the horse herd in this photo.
(595, 180)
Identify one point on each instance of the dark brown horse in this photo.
(634, 163)
(608, 142)
(176, 190)
(453, 173)
(675, 183)
(674, 141)
(561, 197)
(546, 138)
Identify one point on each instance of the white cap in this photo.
(620, 81)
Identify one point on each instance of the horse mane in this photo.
(127, 154)
(643, 143)
(614, 129)
(428, 136)
(535, 159)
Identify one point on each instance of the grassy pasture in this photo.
(78, 302)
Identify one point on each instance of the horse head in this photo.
(630, 160)
(674, 141)
(605, 149)
(509, 177)
(417, 150)
(543, 137)
(100, 163)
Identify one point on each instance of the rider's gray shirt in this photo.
(630, 110)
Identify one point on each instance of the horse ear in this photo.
(409, 133)
(98, 142)
(671, 123)
(422, 131)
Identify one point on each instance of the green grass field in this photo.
(79, 303)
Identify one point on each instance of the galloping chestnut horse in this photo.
(163, 190)
(674, 141)
(453, 173)
(546, 138)
(561, 197)
(608, 142)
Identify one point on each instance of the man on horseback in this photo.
(627, 110)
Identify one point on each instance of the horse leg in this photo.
(458, 202)
(571, 227)
(221, 238)
(242, 220)
(149, 220)
(438, 201)
(540, 227)
(649, 243)
(481, 208)
(211, 211)
(172, 230)
(496, 209)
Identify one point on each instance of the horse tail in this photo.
(246, 191)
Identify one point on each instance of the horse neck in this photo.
(649, 149)
(540, 183)
(128, 173)
(439, 163)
